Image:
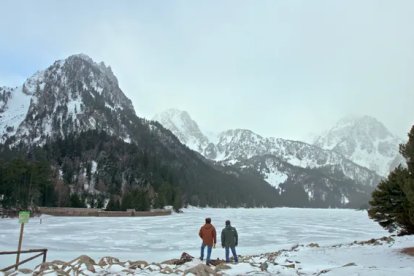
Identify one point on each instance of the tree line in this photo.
(94, 169)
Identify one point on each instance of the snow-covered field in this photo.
(155, 239)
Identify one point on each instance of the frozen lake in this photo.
(162, 238)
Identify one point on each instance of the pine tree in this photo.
(113, 204)
(76, 201)
(177, 202)
(389, 204)
(407, 151)
(392, 203)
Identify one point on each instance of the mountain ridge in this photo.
(76, 119)
(80, 100)
(244, 149)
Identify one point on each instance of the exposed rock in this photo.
(271, 257)
(108, 261)
(83, 260)
(137, 264)
(26, 271)
(376, 241)
(56, 266)
(264, 266)
(201, 270)
(323, 271)
(222, 266)
(171, 261)
(290, 265)
(185, 258)
(153, 267)
(252, 265)
(167, 270)
(21, 271)
(217, 262)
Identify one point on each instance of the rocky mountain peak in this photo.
(71, 95)
(364, 140)
(84, 60)
(186, 129)
(240, 143)
(362, 127)
(240, 135)
(173, 115)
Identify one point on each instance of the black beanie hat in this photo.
(227, 222)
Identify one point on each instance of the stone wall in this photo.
(90, 212)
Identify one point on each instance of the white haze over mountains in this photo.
(363, 140)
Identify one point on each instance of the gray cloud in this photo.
(280, 68)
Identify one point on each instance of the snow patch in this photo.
(127, 139)
(94, 167)
(14, 113)
(74, 107)
(344, 199)
(107, 105)
(275, 178)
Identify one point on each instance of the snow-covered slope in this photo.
(186, 130)
(71, 96)
(326, 177)
(237, 145)
(325, 186)
(14, 104)
(74, 113)
(365, 141)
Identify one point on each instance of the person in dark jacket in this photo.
(208, 234)
(229, 240)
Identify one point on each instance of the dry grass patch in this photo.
(408, 251)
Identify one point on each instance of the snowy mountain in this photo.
(71, 96)
(365, 141)
(80, 100)
(186, 130)
(74, 117)
(321, 187)
(296, 153)
(325, 177)
(237, 145)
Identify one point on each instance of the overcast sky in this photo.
(280, 68)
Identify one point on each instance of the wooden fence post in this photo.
(20, 245)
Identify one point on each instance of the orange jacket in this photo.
(208, 234)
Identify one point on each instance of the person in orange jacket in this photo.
(208, 234)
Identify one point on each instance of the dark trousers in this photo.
(233, 251)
